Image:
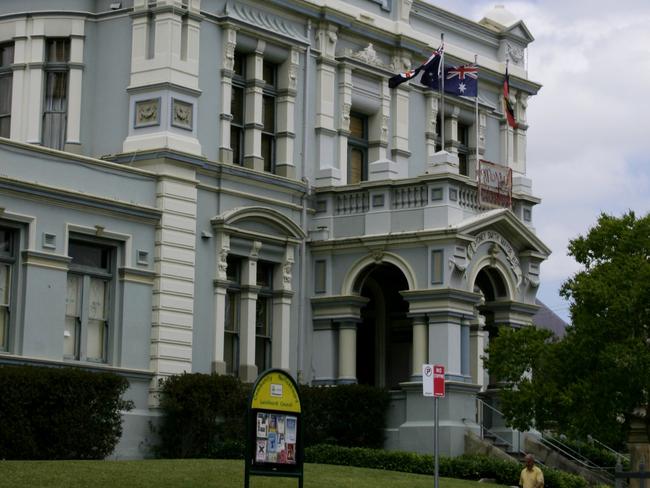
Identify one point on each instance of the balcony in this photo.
(428, 202)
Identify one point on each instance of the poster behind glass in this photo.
(276, 438)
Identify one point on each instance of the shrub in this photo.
(472, 467)
(345, 415)
(59, 413)
(203, 416)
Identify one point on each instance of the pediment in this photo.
(261, 221)
(502, 223)
(520, 31)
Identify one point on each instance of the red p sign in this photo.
(438, 381)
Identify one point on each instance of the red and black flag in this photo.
(507, 106)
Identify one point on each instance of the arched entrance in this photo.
(491, 284)
(384, 335)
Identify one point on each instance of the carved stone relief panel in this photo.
(182, 114)
(147, 113)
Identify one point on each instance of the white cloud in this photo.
(589, 136)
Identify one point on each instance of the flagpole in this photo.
(476, 117)
(505, 108)
(442, 91)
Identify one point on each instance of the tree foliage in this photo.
(593, 380)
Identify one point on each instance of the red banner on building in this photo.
(494, 185)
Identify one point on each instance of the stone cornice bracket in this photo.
(326, 37)
(255, 250)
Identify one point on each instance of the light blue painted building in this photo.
(227, 186)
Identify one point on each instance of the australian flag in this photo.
(462, 80)
(400, 78)
(459, 80)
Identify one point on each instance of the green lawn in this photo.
(200, 473)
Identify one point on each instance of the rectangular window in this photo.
(55, 105)
(268, 117)
(6, 86)
(231, 326)
(463, 150)
(88, 298)
(437, 270)
(263, 315)
(320, 276)
(7, 266)
(237, 112)
(358, 149)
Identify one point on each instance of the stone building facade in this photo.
(227, 186)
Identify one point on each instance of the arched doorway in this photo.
(384, 335)
(491, 284)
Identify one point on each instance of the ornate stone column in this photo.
(477, 344)
(465, 347)
(282, 294)
(334, 315)
(345, 105)
(286, 101)
(73, 129)
(347, 352)
(229, 42)
(249, 289)
(328, 173)
(419, 346)
(220, 289)
(254, 100)
(432, 130)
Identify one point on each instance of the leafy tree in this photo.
(592, 381)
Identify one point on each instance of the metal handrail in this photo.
(585, 462)
(479, 413)
(569, 452)
(591, 439)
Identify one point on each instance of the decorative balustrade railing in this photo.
(412, 196)
(408, 196)
(352, 203)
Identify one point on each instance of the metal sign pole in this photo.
(435, 443)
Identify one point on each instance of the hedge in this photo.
(345, 415)
(59, 413)
(203, 416)
(472, 467)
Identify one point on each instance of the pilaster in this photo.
(328, 171)
(286, 101)
(248, 302)
(75, 86)
(18, 111)
(431, 130)
(378, 126)
(345, 105)
(282, 294)
(400, 119)
(254, 100)
(229, 42)
(35, 73)
(173, 293)
(451, 130)
(220, 290)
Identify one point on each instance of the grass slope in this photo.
(200, 473)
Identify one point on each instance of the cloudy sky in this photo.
(589, 135)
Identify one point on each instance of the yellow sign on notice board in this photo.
(276, 391)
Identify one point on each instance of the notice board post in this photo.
(433, 384)
(274, 428)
